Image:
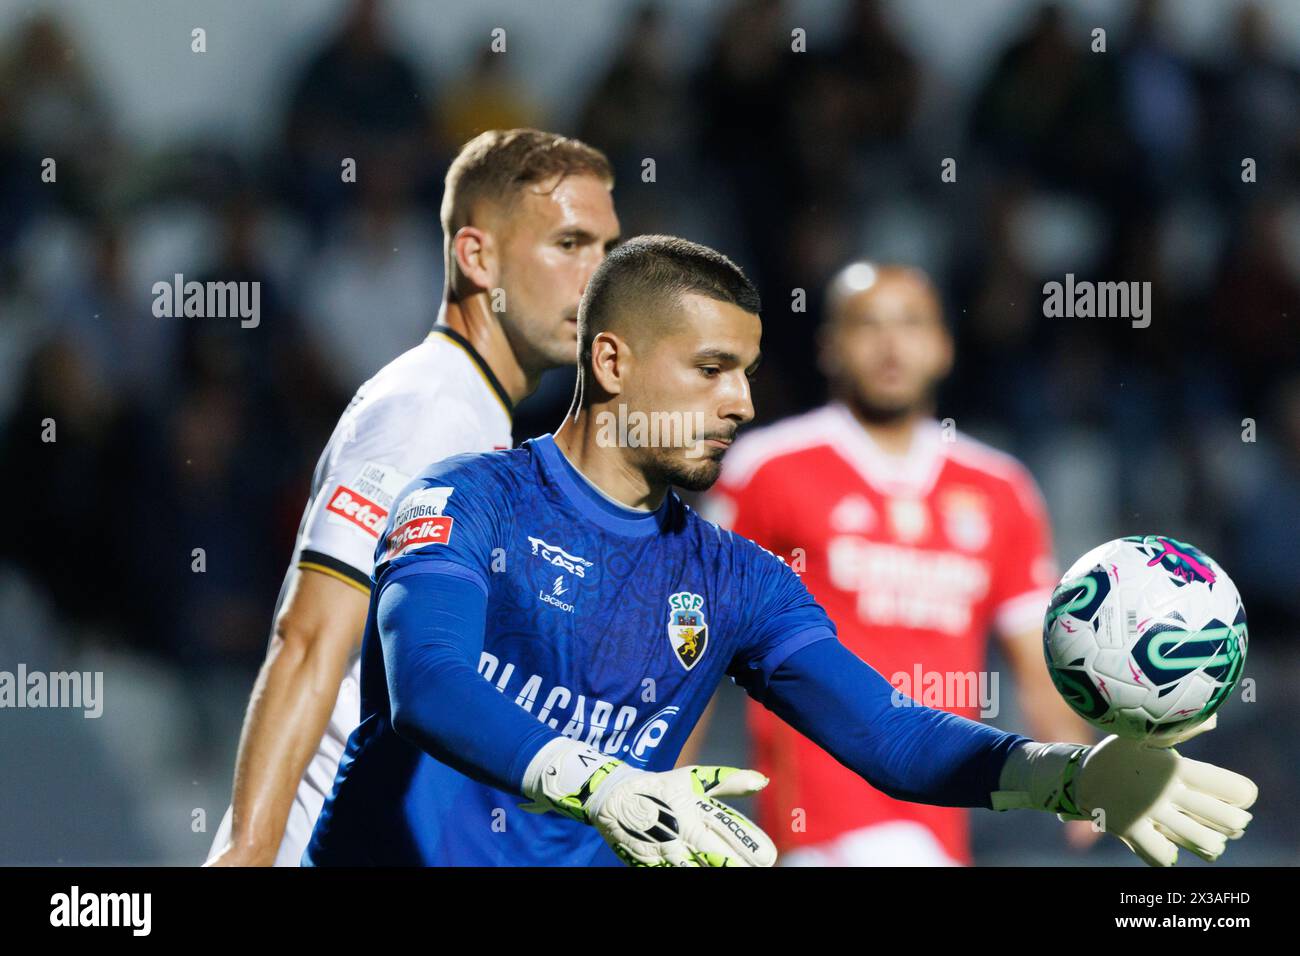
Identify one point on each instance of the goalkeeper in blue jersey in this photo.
(547, 624)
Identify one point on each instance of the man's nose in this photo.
(739, 407)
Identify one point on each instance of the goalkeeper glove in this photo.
(1185, 735)
(1154, 800)
(650, 819)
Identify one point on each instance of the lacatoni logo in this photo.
(553, 598)
(420, 521)
(360, 510)
(75, 908)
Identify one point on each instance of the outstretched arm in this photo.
(907, 751)
(1151, 798)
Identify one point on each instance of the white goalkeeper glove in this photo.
(1154, 800)
(1186, 735)
(650, 819)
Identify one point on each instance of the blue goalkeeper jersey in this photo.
(609, 625)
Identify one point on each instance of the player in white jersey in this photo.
(527, 216)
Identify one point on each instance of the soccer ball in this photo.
(1145, 637)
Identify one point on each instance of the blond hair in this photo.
(496, 165)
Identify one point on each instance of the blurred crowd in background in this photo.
(174, 434)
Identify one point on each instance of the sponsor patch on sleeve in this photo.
(420, 521)
(364, 501)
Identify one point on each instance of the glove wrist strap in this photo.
(1040, 777)
(571, 777)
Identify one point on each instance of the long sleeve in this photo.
(909, 752)
(430, 618)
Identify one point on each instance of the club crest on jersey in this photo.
(688, 632)
(853, 515)
(966, 519)
(909, 519)
(420, 521)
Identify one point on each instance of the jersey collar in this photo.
(911, 475)
(593, 503)
(489, 376)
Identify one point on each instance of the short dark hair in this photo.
(648, 275)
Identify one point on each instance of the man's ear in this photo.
(475, 254)
(610, 360)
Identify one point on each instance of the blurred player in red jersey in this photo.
(918, 541)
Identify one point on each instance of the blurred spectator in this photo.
(1265, 508)
(1002, 334)
(58, 112)
(1159, 102)
(1049, 109)
(486, 97)
(20, 192)
(636, 109)
(1254, 96)
(131, 349)
(216, 490)
(1256, 306)
(68, 463)
(357, 98)
(879, 73)
(641, 108)
(371, 292)
(744, 95)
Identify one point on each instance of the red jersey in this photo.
(915, 558)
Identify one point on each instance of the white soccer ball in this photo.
(1145, 637)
